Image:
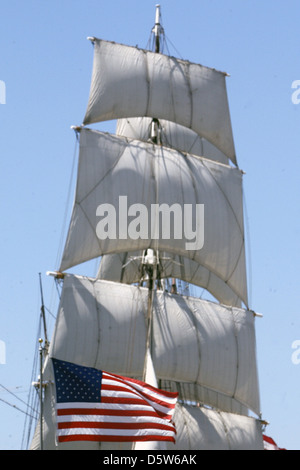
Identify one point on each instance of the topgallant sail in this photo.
(160, 202)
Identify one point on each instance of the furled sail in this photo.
(171, 135)
(132, 176)
(102, 324)
(131, 82)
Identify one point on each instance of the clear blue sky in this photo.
(45, 63)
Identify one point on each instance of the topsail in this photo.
(164, 180)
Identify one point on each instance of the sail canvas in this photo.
(159, 200)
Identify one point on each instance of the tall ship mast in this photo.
(160, 203)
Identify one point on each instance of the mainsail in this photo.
(162, 198)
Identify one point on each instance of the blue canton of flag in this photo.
(76, 383)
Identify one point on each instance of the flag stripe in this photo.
(161, 406)
(142, 385)
(97, 438)
(105, 411)
(118, 390)
(115, 432)
(114, 409)
(155, 399)
(111, 425)
(111, 419)
(152, 393)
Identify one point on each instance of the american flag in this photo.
(270, 444)
(93, 405)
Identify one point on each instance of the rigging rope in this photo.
(16, 407)
(67, 202)
(14, 395)
(248, 247)
(32, 397)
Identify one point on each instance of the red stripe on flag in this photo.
(99, 411)
(95, 438)
(109, 425)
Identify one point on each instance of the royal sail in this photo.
(131, 82)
